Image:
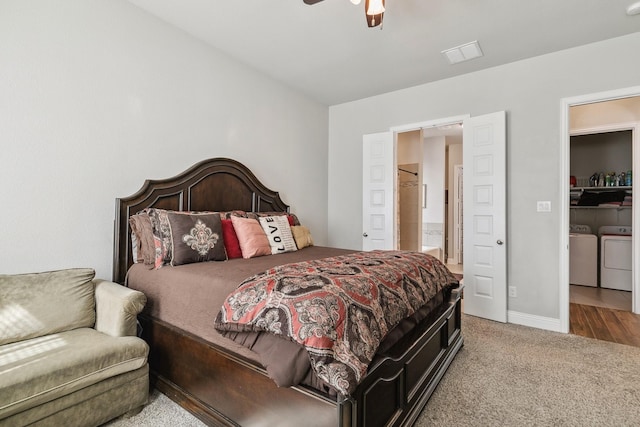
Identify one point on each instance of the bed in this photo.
(223, 382)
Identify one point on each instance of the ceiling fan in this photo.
(373, 10)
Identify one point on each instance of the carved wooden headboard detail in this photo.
(217, 184)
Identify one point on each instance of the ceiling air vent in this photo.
(463, 52)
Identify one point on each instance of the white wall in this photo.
(619, 111)
(96, 96)
(531, 92)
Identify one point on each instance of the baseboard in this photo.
(531, 320)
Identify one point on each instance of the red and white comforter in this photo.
(338, 308)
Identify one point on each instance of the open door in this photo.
(484, 216)
(378, 191)
(458, 229)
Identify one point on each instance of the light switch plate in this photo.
(544, 206)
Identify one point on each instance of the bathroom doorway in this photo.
(430, 202)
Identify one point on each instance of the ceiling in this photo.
(327, 51)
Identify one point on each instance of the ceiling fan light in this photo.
(374, 12)
(355, 1)
(374, 7)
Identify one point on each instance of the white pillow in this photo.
(279, 234)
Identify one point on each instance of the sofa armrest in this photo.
(117, 308)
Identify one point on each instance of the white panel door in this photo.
(458, 228)
(484, 216)
(378, 191)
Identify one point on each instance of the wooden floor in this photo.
(601, 297)
(605, 324)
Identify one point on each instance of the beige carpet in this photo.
(160, 411)
(508, 375)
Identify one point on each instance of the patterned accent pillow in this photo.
(196, 237)
(161, 235)
(229, 214)
(231, 243)
(136, 243)
(302, 236)
(253, 240)
(279, 234)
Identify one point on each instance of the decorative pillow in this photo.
(161, 236)
(196, 237)
(163, 242)
(231, 243)
(142, 239)
(136, 250)
(229, 214)
(279, 234)
(253, 240)
(302, 236)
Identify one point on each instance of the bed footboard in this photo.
(397, 387)
(221, 389)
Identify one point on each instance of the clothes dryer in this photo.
(583, 258)
(616, 270)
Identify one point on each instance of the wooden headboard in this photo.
(216, 184)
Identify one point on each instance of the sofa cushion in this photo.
(37, 304)
(39, 370)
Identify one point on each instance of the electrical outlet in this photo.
(543, 206)
(512, 292)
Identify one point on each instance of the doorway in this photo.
(611, 113)
(429, 200)
(484, 218)
(601, 212)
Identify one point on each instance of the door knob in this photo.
(365, 235)
(500, 242)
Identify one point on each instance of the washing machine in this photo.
(616, 271)
(583, 256)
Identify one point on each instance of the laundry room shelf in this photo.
(621, 187)
(599, 207)
(576, 193)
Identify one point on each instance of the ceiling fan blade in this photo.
(310, 2)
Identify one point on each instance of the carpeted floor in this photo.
(160, 411)
(508, 375)
(511, 375)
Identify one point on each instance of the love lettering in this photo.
(276, 238)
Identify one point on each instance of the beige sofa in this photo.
(69, 355)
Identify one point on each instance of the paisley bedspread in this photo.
(338, 308)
